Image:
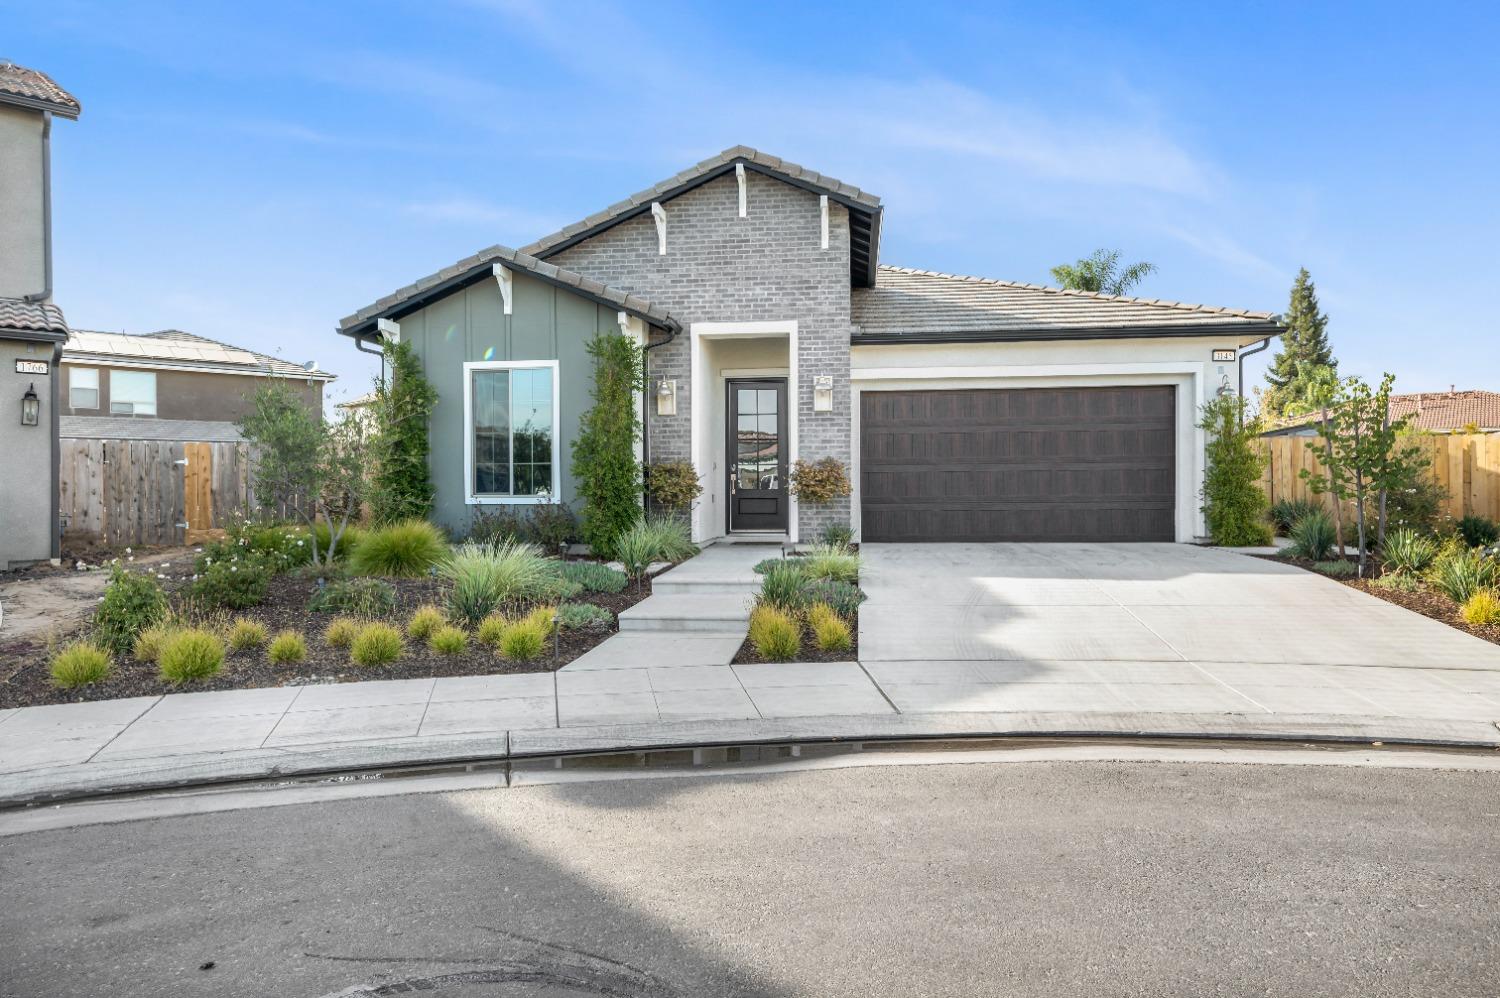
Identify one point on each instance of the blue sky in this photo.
(252, 172)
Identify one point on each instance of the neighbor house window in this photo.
(83, 388)
(132, 393)
(512, 414)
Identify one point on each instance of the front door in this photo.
(757, 454)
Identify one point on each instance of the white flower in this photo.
(131, 558)
(127, 550)
(299, 544)
(233, 569)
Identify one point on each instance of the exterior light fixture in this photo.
(31, 407)
(666, 397)
(823, 393)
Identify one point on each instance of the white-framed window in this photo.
(511, 416)
(132, 393)
(83, 387)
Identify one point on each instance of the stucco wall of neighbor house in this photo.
(719, 267)
(1186, 363)
(190, 394)
(25, 460)
(547, 323)
(22, 256)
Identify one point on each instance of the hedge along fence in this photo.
(1466, 465)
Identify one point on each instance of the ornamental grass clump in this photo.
(149, 643)
(287, 648)
(830, 631)
(525, 639)
(376, 644)
(1481, 609)
(448, 640)
(81, 663)
(1459, 573)
(424, 622)
(825, 561)
(246, 634)
(485, 577)
(194, 653)
(491, 629)
(784, 584)
(406, 549)
(1407, 551)
(1313, 536)
(774, 634)
(340, 632)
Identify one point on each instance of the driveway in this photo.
(1118, 605)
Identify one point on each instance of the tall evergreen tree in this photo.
(1305, 351)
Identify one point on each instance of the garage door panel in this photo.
(1073, 464)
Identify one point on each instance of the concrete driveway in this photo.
(1119, 604)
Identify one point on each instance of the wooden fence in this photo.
(1466, 465)
(123, 492)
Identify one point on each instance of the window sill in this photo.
(509, 500)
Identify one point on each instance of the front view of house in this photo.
(965, 409)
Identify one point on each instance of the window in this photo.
(132, 393)
(83, 387)
(512, 413)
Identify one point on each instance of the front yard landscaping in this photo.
(807, 609)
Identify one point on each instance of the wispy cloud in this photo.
(521, 225)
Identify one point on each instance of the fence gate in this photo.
(198, 491)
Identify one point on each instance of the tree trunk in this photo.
(1338, 506)
(1385, 478)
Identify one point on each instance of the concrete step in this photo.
(692, 612)
(655, 649)
(747, 583)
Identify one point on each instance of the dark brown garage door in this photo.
(1033, 464)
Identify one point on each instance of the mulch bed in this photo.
(285, 607)
(1425, 600)
(810, 651)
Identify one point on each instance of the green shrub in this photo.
(1399, 581)
(583, 616)
(524, 639)
(492, 629)
(774, 634)
(829, 629)
(825, 562)
(784, 584)
(844, 598)
(1478, 531)
(287, 648)
(1338, 569)
(1286, 512)
(1406, 550)
(246, 634)
(80, 664)
(495, 525)
(656, 538)
(148, 643)
(376, 644)
(1234, 504)
(550, 525)
(348, 541)
(836, 535)
(604, 464)
(1313, 536)
(448, 640)
(594, 576)
(340, 632)
(132, 602)
(1482, 608)
(356, 597)
(400, 485)
(485, 577)
(406, 549)
(1459, 574)
(191, 654)
(820, 481)
(232, 585)
(673, 485)
(424, 622)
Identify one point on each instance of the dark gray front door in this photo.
(1033, 464)
(757, 454)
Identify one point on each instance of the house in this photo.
(169, 385)
(965, 408)
(32, 327)
(1468, 411)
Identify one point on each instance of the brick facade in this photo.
(719, 267)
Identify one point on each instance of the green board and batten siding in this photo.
(547, 323)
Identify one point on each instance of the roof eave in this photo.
(34, 335)
(1248, 332)
(37, 104)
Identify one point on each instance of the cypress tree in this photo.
(402, 488)
(1304, 350)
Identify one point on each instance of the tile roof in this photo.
(32, 317)
(127, 428)
(641, 200)
(1435, 412)
(35, 89)
(906, 303)
(174, 348)
(475, 267)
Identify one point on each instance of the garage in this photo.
(1018, 464)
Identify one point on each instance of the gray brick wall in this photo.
(723, 268)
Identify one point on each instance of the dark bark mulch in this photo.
(1424, 600)
(285, 607)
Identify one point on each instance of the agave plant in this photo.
(1314, 536)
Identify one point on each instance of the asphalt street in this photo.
(1027, 879)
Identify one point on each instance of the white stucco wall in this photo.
(22, 260)
(1185, 363)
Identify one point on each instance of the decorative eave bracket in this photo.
(660, 214)
(503, 278)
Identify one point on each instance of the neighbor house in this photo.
(1469, 411)
(32, 328)
(966, 409)
(169, 385)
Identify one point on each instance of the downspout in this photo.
(56, 380)
(647, 395)
(46, 293)
(1243, 354)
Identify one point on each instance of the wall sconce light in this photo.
(31, 407)
(666, 397)
(823, 393)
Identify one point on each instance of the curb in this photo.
(55, 785)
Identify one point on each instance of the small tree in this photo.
(401, 488)
(304, 465)
(1234, 504)
(1101, 273)
(609, 477)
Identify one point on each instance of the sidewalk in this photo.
(109, 746)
